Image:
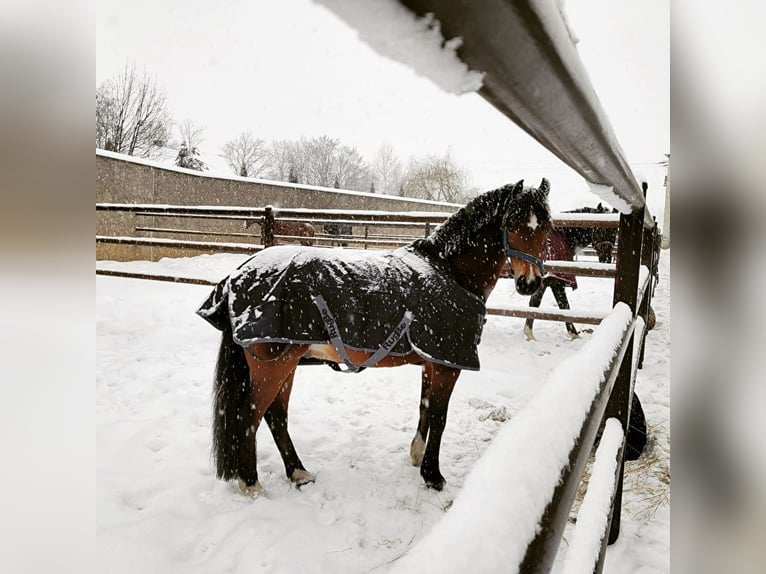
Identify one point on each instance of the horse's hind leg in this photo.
(442, 381)
(534, 301)
(270, 366)
(563, 303)
(418, 445)
(276, 418)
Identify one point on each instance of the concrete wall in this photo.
(123, 179)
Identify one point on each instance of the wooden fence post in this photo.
(267, 228)
(625, 291)
(649, 253)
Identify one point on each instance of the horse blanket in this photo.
(557, 249)
(272, 297)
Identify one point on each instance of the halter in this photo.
(510, 252)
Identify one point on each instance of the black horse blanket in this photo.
(272, 297)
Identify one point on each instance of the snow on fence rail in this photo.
(511, 488)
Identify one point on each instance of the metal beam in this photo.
(534, 76)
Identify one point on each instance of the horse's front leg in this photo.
(418, 445)
(534, 301)
(561, 300)
(442, 380)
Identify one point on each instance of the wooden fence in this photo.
(637, 254)
(364, 224)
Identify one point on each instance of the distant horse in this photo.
(562, 245)
(294, 228)
(421, 304)
(338, 229)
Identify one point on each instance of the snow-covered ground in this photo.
(160, 508)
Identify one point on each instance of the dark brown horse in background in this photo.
(253, 383)
(562, 245)
(289, 228)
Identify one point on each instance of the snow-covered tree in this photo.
(437, 178)
(246, 155)
(189, 158)
(318, 161)
(386, 170)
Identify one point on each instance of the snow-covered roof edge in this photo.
(160, 165)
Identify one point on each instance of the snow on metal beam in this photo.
(531, 70)
(534, 75)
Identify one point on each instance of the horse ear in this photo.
(545, 186)
(519, 187)
(599, 207)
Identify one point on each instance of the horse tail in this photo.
(232, 415)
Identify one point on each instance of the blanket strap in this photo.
(337, 342)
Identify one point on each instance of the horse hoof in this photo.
(417, 450)
(301, 477)
(433, 480)
(252, 491)
(529, 334)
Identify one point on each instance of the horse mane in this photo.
(507, 206)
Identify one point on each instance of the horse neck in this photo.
(478, 267)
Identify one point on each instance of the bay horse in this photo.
(294, 228)
(562, 245)
(421, 304)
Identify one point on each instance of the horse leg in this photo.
(534, 301)
(442, 380)
(276, 418)
(561, 300)
(418, 445)
(270, 366)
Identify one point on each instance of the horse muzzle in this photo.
(527, 286)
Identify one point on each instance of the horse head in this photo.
(525, 224)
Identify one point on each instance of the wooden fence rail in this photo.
(633, 286)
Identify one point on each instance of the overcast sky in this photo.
(291, 68)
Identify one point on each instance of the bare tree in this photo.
(246, 155)
(386, 170)
(320, 154)
(131, 114)
(351, 171)
(191, 134)
(105, 118)
(437, 178)
(318, 161)
(284, 161)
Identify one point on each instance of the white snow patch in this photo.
(394, 32)
(160, 507)
(606, 192)
(594, 511)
